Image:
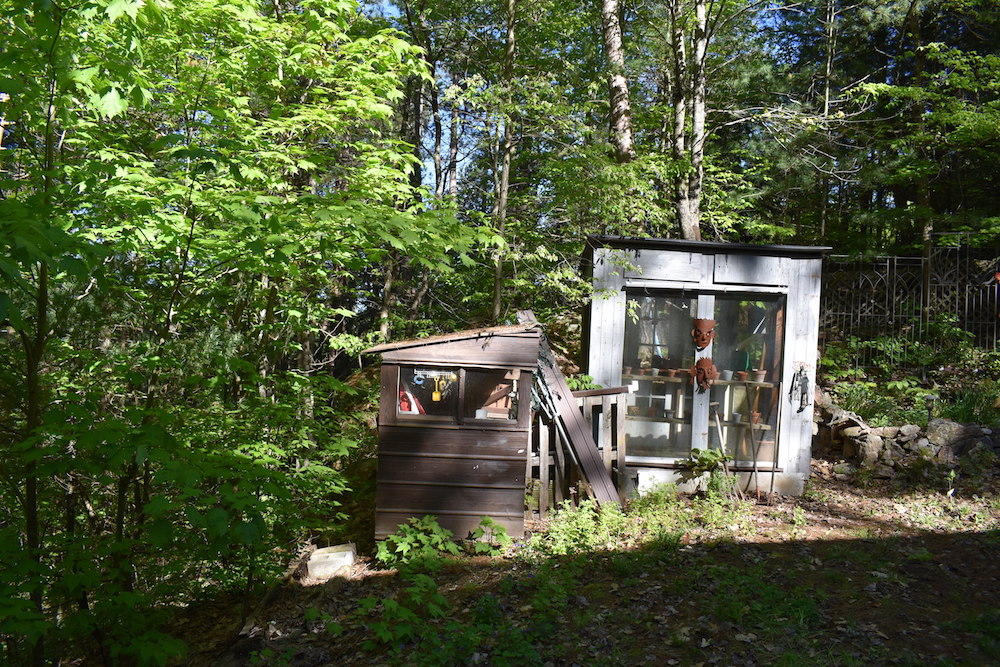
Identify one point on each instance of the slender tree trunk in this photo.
(35, 343)
(831, 46)
(414, 91)
(418, 300)
(453, 145)
(503, 187)
(697, 175)
(439, 175)
(621, 111)
(830, 32)
(383, 316)
(414, 102)
(266, 319)
(680, 144)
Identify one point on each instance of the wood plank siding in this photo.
(702, 273)
(453, 474)
(458, 468)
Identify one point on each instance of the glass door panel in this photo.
(669, 413)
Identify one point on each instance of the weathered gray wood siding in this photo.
(704, 267)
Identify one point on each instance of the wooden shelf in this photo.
(677, 379)
(661, 420)
(687, 379)
(680, 420)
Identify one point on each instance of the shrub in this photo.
(420, 543)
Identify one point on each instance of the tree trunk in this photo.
(439, 175)
(453, 144)
(35, 343)
(412, 110)
(692, 230)
(503, 186)
(620, 112)
(680, 146)
(383, 316)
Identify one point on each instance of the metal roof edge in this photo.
(455, 336)
(706, 247)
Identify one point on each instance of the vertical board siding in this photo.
(719, 268)
(751, 270)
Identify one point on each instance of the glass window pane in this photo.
(659, 350)
(749, 339)
(428, 391)
(658, 335)
(491, 394)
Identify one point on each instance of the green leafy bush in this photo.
(874, 403)
(490, 538)
(581, 528)
(420, 543)
(974, 405)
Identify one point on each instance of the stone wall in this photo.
(886, 450)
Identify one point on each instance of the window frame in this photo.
(696, 423)
(457, 419)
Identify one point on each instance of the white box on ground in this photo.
(329, 561)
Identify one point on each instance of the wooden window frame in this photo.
(389, 414)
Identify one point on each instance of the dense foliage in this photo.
(208, 208)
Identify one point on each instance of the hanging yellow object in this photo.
(436, 396)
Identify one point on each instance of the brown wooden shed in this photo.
(454, 428)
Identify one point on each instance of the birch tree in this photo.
(620, 116)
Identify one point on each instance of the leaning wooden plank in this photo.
(543, 468)
(581, 440)
(607, 405)
(578, 432)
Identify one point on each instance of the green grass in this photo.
(985, 628)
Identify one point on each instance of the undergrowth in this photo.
(909, 382)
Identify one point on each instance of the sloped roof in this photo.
(706, 247)
(468, 334)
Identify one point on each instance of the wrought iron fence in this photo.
(895, 308)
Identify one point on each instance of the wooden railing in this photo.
(552, 475)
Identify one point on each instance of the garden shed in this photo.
(454, 427)
(717, 343)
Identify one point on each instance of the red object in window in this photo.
(409, 405)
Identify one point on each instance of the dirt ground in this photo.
(840, 576)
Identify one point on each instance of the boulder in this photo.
(971, 445)
(332, 561)
(844, 468)
(915, 445)
(946, 455)
(887, 431)
(853, 431)
(869, 449)
(883, 472)
(925, 449)
(947, 432)
(908, 432)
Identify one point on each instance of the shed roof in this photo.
(706, 247)
(468, 334)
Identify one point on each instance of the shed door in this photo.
(669, 412)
